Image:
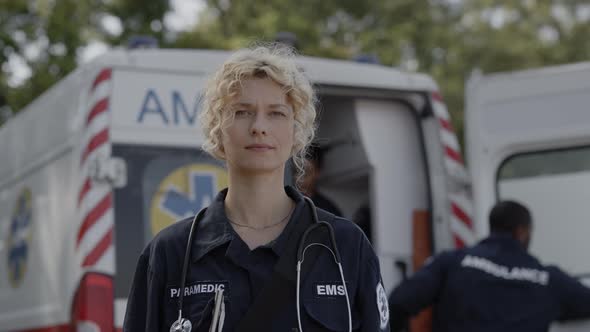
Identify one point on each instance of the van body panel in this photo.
(138, 107)
(528, 139)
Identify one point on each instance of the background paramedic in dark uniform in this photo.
(313, 168)
(258, 112)
(494, 286)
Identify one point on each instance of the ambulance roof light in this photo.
(286, 37)
(367, 58)
(135, 42)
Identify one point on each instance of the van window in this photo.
(164, 185)
(555, 186)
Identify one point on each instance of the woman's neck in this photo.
(257, 201)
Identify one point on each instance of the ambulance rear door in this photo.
(528, 139)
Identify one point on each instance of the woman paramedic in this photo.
(261, 257)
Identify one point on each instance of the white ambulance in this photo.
(528, 139)
(110, 155)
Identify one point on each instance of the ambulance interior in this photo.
(374, 160)
(374, 167)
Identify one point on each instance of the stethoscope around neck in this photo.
(184, 325)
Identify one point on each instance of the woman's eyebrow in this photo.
(242, 104)
(271, 106)
(279, 106)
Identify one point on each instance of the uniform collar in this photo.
(279, 243)
(214, 229)
(505, 240)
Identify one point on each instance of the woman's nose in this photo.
(259, 125)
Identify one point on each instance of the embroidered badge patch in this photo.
(383, 306)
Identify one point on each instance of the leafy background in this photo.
(447, 39)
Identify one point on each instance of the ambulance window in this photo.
(555, 186)
(164, 185)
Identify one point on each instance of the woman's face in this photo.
(260, 138)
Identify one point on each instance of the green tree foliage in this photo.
(45, 35)
(447, 39)
(48, 35)
(321, 26)
(137, 18)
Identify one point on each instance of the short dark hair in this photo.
(507, 216)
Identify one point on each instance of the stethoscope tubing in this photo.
(179, 325)
(302, 248)
(180, 320)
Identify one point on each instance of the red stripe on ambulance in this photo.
(85, 189)
(446, 124)
(437, 96)
(93, 303)
(452, 154)
(93, 216)
(458, 242)
(104, 75)
(99, 250)
(99, 139)
(461, 215)
(100, 107)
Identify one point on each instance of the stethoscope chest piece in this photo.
(181, 325)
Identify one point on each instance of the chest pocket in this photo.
(201, 314)
(198, 311)
(198, 303)
(329, 314)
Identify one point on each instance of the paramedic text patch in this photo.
(199, 288)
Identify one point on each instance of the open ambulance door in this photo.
(528, 139)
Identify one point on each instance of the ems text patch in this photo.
(328, 289)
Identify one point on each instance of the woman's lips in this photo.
(259, 147)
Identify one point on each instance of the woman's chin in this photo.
(259, 168)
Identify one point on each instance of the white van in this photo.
(528, 139)
(110, 155)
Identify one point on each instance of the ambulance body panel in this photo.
(528, 139)
(111, 155)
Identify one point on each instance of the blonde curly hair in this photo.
(272, 61)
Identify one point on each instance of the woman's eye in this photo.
(278, 114)
(241, 113)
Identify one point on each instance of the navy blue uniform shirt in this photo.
(325, 203)
(493, 286)
(220, 258)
